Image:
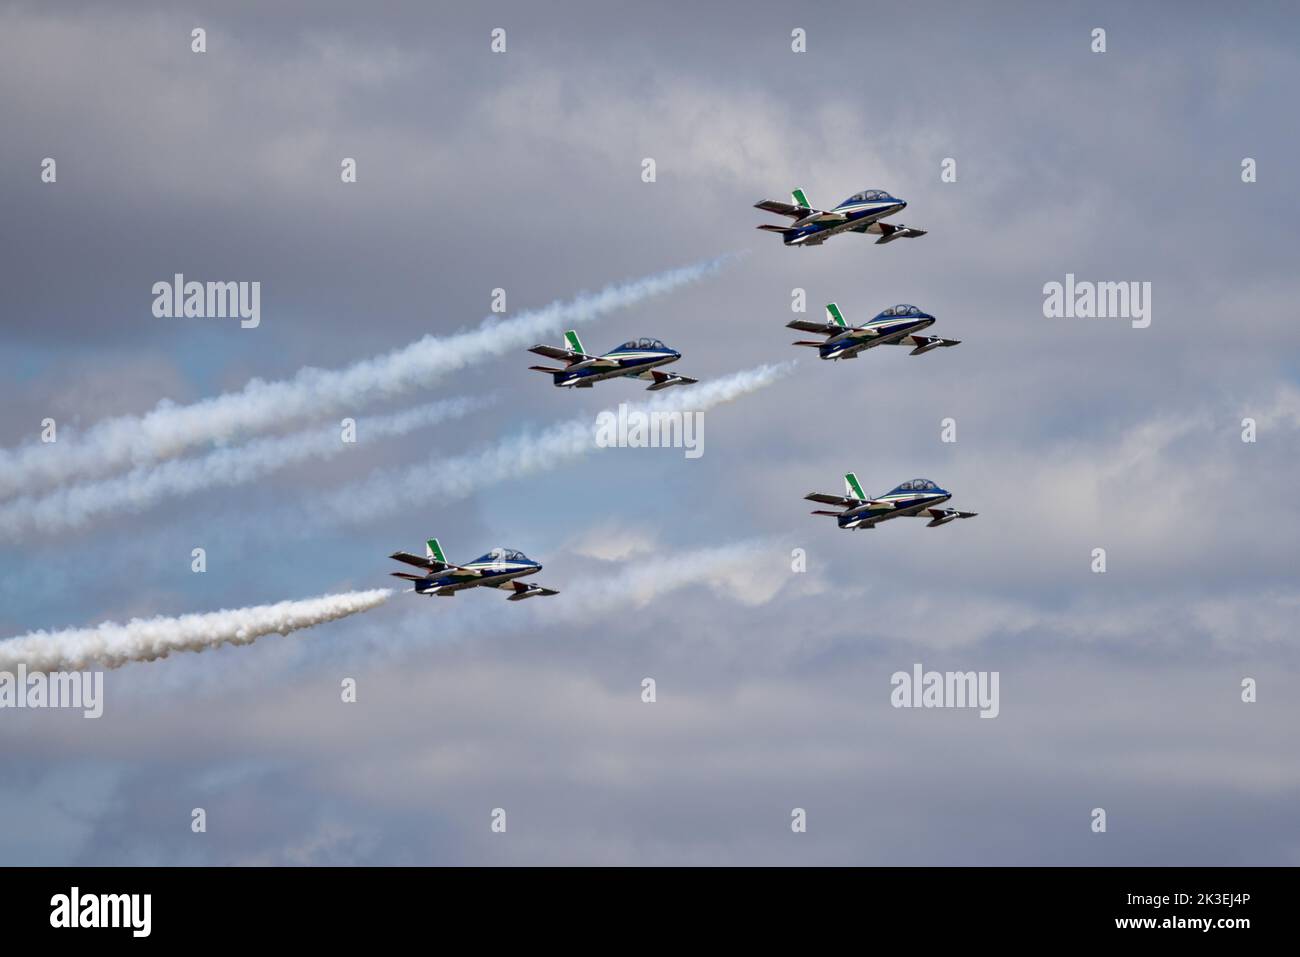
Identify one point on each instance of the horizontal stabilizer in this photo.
(805, 342)
(545, 369)
(408, 576)
(768, 227)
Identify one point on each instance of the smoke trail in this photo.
(170, 429)
(145, 486)
(749, 573)
(525, 454)
(111, 645)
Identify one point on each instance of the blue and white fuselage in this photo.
(896, 326)
(635, 359)
(497, 569)
(919, 497)
(861, 213)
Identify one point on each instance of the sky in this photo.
(771, 635)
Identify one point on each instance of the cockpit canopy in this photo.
(505, 555)
(917, 485)
(902, 309)
(641, 344)
(867, 196)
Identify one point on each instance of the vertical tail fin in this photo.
(833, 314)
(851, 487)
(574, 342)
(799, 199)
(433, 550)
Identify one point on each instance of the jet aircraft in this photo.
(860, 213)
(919, 497)
(635, 359)
(499, 568)
(895, 326)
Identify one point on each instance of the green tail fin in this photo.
(833, 314)
(574, 342)
(800, 199)
(434, 551)
(852, 487)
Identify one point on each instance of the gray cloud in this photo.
(522, 172)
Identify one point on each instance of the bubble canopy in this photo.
(642, 344)
(917, 485)
(867, 196)
(504, 555)
(902, 309)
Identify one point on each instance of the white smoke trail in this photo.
(170, 429)
(145, 486)
(443, 479)
(111, 645)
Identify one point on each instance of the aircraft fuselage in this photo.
(630, 363)
(492, 574)
(858, 215)
(847, 345)
(900, 504)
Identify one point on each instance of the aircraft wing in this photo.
(888, 232)
(942, 516)
(816, 239)
(420, 561)
(821, 328)
(563, 355)
(922, 344)
(662, 380)
(785, 209)
(525, 590)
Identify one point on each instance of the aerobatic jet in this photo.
(860, 213)
(635, 359)
(895, 326)
(499, 568)
(919, 497)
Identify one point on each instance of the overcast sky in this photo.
(522, 171)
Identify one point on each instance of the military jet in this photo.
(860, 213)
(919, 497)
(895, 326)
(497, 569)
(635, 359)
